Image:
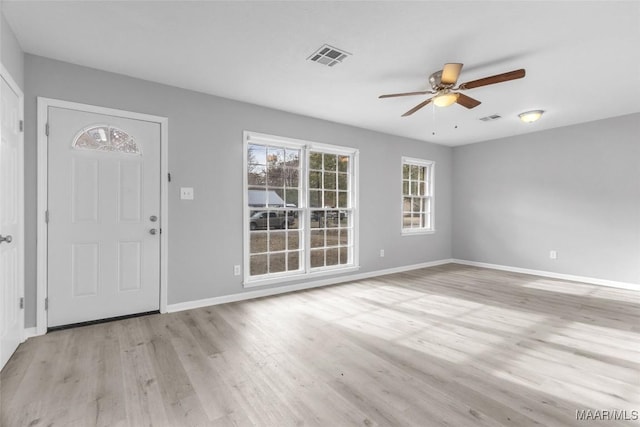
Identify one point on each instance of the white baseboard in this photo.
(30, 333)
(171, 308)
(571, 277)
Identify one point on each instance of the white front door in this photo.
(104, 216)
(11, 223)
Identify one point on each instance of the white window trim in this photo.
(306, 273)
(431, 165)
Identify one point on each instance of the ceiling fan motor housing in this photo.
(435, 80)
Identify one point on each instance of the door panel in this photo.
(102, 259)
(11, 224)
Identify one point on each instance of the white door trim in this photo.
(4, 73)
(43, 106)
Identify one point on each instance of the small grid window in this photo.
(417, 195)
(299, 208)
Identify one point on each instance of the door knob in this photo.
(7, 239)
(153, 231)
(153, 218)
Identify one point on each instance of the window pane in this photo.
(317, 219)
(346, 219)
(343, 163)
(277, 241)
(414, 188)
(291, 197)
(315, 199)
(330, 162)
(332, 237)
(415, 172)
(343, 199)
(421, 189)
(315, 179)
(275, 157)
(292, 157)
(342, 181)
(258, 242)
(344, 255)
(315, 161)
(277, 263)
(258, 264)
(277, 220)
(333, 218)
(329, 199)
(329, 181)
(275, 176)
(291, 178)
(256, 174)
(344, 236)
(406, 204)
(257, 154)
(293, 261)
(317, 238)
(332, 256)
(317, 258)
(405, 187)
(405, 171)
(422, 173)
(416, 205)
(293, 240)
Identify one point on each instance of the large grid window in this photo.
(273, 200)
(330, 209)
(417, 196)
(299, 208)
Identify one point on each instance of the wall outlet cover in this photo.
(186, 193)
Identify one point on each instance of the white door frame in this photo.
(4, 73)
(42, 255)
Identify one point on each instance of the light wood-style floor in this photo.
(450, 345)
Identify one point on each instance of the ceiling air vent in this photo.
(328, 55)
(490, 118)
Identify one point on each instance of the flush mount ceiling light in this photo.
(445, 98)
(530, 116)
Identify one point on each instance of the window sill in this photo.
(298, 277)
(417, 232)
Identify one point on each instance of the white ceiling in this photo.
(582, 58)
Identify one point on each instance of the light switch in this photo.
(186, 193)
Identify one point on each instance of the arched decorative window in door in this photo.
(106, 138)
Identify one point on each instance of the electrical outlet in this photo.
(381, 253)
(186, 193)
(236, 270)
(553, 254)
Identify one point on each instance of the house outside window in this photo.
(300, 209)
(417, 196)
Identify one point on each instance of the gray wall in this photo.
(574, 189)
(10, 52)
(205, 151)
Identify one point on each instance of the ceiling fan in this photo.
(443, 84)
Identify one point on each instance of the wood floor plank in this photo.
(449, 345)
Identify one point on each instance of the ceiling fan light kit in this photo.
(445, 98)
(445, 93)
(531, 116)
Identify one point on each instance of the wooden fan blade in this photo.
(450, 73)
(392, 95)
(416, 108)
(498, 78)
(467, 101)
